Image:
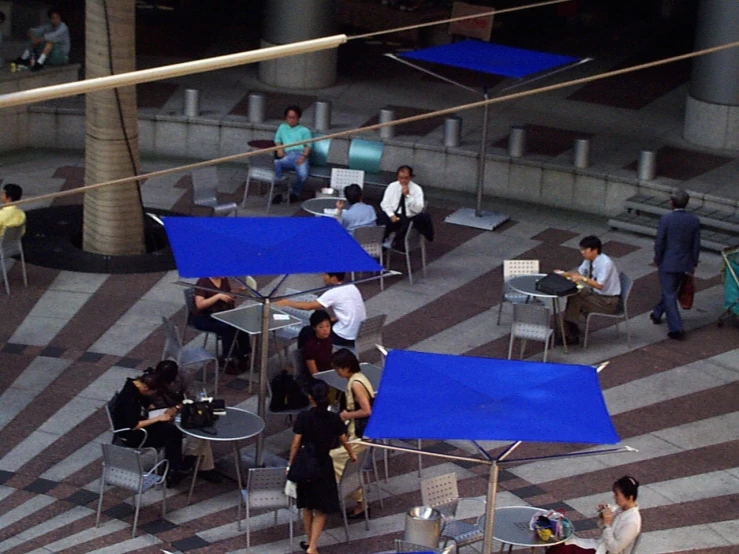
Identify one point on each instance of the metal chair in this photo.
(530, 322)
(261, 168)
(514, 268)
(265, 489)
(351, 480)
(122, 467)
(370, 467)
(413, 241)
(205, 192)
(441, 493)
(342, 178)
(11, 244)
(621, 313)
(370, 238)
(117, 439)
(189, 312)
(184, 357)
(369, 334)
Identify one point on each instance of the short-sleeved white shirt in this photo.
(348, 307)
(605, 272)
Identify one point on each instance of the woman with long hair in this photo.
(321, 429)
(621, 524)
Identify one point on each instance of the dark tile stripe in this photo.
(699, 512)
(22, 299)
(105, 307)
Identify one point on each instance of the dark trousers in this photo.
(669, 282)
(336, 340)
(161, 435)
(225, 332)
(569, 549)
(400, 228)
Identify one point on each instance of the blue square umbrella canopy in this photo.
(490, 58)
(237, 246)
(445, 397)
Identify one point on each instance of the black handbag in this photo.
(556, 285)
(198, 415)
(305, 467)
(360, 423)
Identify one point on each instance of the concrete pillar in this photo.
(322, 115)
(647, 169)
(452, 131)
(517, 142)
(192, 102)
(287, 21)
(386, 116)
(257, 107)
(581, 153)
(712, 109)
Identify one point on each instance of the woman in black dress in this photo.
(320, 428)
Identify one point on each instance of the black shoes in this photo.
(21, 61)
(304, 545)
(360, 515)
(211, 476)
(676, 335)
(294, 198)
(37, 67)
(175, 477)
(655, 320)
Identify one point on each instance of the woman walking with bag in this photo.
(318, 430)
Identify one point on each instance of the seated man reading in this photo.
(403, 200)
(47, 44)
(601, 291)
(358, 214)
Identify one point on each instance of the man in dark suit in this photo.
(676, 250)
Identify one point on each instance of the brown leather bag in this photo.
(686, 292)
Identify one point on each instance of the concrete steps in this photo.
(719, 229)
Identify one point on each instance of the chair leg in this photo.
(100, 500)
(248, 525)
(5, 277)
(343, 512)
(194, 478)
(408, 265)
(423, 256)
(246, 191)
(164, 498)
(270, 194)
(420, 459)
(500, 309)
(523, 347)
(587, 330)
(253, 339)
(546, 347)
(628, 334)
(510, 345)
(136, 514)
(23, 268)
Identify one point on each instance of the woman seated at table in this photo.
(621, 524)
(209, 302)
(322, 429)
(359, 392)
(174, 390)
(131, 410)
(316, 344)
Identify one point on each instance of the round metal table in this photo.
(526, 284)
(316, 206)
(235, 426)
(512, 528)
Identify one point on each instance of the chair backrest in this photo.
(370, 238)
(402, 546)
(626, 286)
(204, 184)
(342, 178)
(365, 154)
(514, 268)
(319, 152)
(373, 374)
(441, 493)
(109, 407)
(172, 344)
(266, 488)
(303, 315)
(122, 467)
(351, 478)
(10, 241)
(189, 304)
(370, 333)
(530, 321)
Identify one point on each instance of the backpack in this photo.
(286, 393)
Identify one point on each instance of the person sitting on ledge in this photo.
(11, 216)
(47, 44)
(358, 214)
(292, 157)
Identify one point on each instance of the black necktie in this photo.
(401, 206)
(590, 270)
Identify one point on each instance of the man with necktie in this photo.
(403, 200)
(601, 287)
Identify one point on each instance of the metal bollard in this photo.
(517, 142)
(581, 154)
(422, 526)
(452, 131)
(647, 165)
(257, 107)
(387, 115)
(192, 102)
(322, 116)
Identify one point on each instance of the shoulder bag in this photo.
(305, 467)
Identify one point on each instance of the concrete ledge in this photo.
(550, 182)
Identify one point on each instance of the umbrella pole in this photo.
(487, 541)
(261, 405)
(481, 161)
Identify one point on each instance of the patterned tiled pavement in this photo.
(70, 339)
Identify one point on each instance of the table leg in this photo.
(559, 318)
(194, 477)
(237, 461)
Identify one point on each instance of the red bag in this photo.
(686, 291)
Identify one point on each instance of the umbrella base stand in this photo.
(487, 220)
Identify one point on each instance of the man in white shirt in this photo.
(601, 291)
(403, 200)
(346, 303)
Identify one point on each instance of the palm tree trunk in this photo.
(113, 216)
